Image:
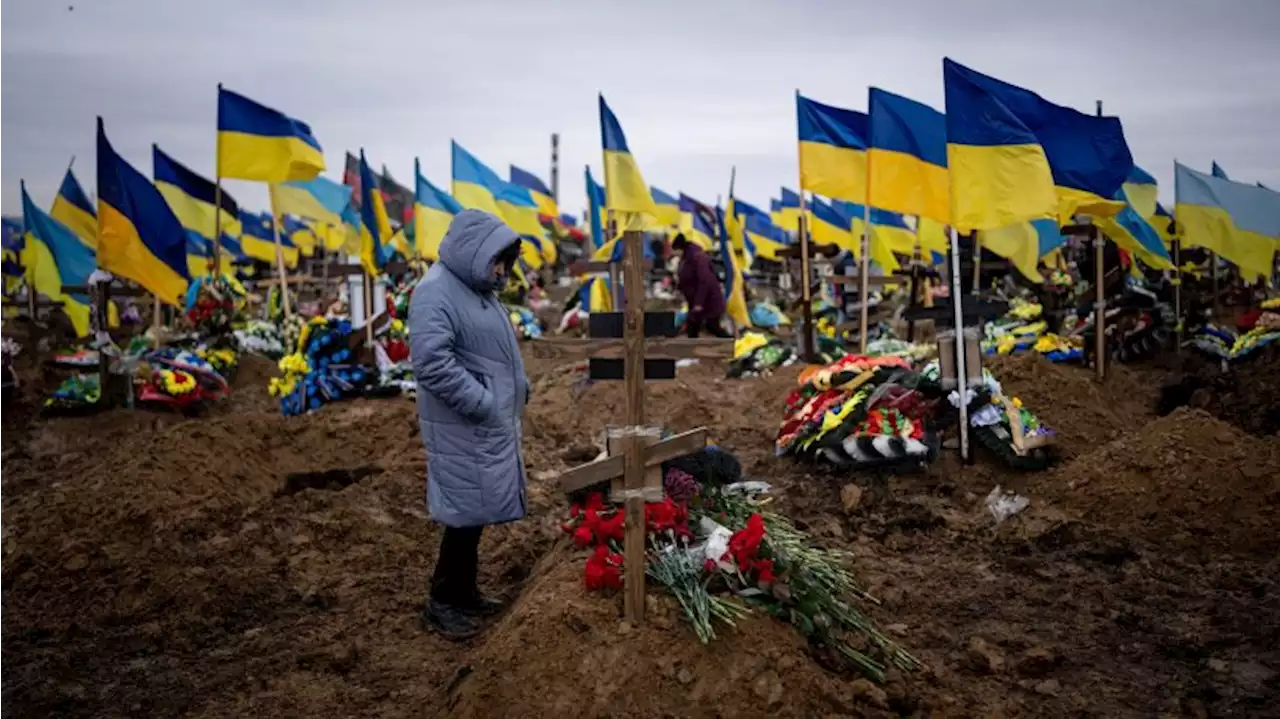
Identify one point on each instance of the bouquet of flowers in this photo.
(76, 393)
(722, 555)
(213, 303)
(321, 370)
(261, 337)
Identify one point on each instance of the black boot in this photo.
(449, 621)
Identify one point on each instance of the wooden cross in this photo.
(636, 451)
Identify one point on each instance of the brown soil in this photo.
(156, 565)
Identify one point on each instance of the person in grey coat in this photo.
(471, 396)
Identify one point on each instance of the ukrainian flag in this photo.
(766, 237)
(257, 237)
(597, 217)
(375, 227)
(1141, 192)
(833, 150)
(258, 143)
(1162, 221)
(886, 233)
(1024, 243)
(908, 157)
(319, 199)
(433, 211)
(521, 214)
(735, 303)
(191, 197)
(55, 256)
(138, 236)
(475, 186)
(1000, 174)
(694, 224)
(828, 226)
(301, 234)
(538, 191)
(668, 208)
(785, 213)
(933, 237)
(1133, 233)
(625, 188)
(1239, 222)
(72, 208)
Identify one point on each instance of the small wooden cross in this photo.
(636, 451)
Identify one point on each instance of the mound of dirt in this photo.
(1246, 394)
(1068, 398)
(563, 651)
(1188, 479)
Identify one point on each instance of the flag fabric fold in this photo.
(72, 208)
(55, 256)
(375, 226)
(258, 143)
(138, 235)
(1239, 222)
(833, 150)
(908, 157)
(433, 211)
(625, 188)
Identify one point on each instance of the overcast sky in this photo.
(698, 86)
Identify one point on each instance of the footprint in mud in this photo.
(332, 480)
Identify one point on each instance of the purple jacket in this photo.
(699, 285)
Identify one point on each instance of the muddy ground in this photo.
(248, 564)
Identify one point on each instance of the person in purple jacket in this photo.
(701, 289)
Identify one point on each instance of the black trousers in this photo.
(454, 581)
(711, 325)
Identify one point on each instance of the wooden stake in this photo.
(806, 291)
(977, 263)
(864, 267)
(1177, 292)
(368, 308)
(615, 286)
(633, 479)
(155, 321)
(1213, 273)
(280, 270)
(103, 296)
(1100, 311)
(217, 189)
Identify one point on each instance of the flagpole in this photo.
(962, 371)
(806, 292)
(864, 265)
(1100, 316)
(280, 269)
(216, 263)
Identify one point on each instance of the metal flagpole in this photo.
(217, 188)
(864, 267)
(962, 372)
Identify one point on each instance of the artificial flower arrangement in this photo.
(722, 557)
(861, 411)
(524, 322)
(323, 369)
(214, 303)
(262, 338)
(76, 393)
(179, 379)
(395, 340)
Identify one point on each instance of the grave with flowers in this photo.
(689, 522)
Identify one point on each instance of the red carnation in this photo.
(764, 568)
(582, 537)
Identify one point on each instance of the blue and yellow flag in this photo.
(767, 238)
(1239, 222)
(626, 190)
(301, 234)
(257, 236)
(375, 226)
(258, 143)
(138, 235)
(889, 233)
(829, 226)
(191, 197)
(597, 216)
(833, 150)
(1141, 192)
(1130, 228)
(72, 208)
(538, 191)
(908, 157)
(1016, 157)
(1024, 243)
(319, 199)
(521, 213)
(54, 256)
(1162, 221)
(695, 224)
(474, 182)
(787, 214)
(433, 211)
(667, 213)
(735, 303)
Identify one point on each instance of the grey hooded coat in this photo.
(471, 383)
